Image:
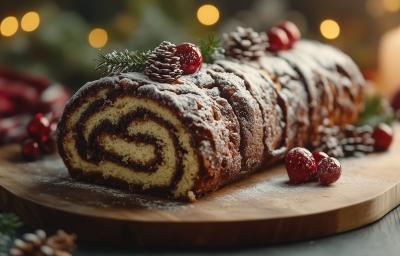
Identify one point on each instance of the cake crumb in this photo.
(191, 196)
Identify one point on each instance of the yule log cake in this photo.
(158, 132)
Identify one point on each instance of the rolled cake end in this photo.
(118, 137)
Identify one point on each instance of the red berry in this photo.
(47, 145)
(39, 127)
(318, 156)
(396, 101)
(277, 39)
(383, 136)
(291, 30)
(190, 58)
(329, 171)
(30, 149)
(300, 165)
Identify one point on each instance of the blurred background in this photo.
(60, 39)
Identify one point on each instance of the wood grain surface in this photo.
(261, 209)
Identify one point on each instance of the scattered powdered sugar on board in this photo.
(276, 185)
(50, 176)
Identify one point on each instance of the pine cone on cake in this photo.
(38, 244)
(163, 65)
(245, 43)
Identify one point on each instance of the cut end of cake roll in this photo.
(130, 134)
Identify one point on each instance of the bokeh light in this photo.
(9, 26)
(391, 5)
(98, 38)
(208, 14)
(30, 21)
(330, 29)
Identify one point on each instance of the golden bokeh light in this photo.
(208, 14)
(9, 26)
(30, 21)
(330, 29)
(98, 38)
(391, 5)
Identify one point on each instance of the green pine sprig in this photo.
(122, 61)
(9, 224)
(377, 110)
(211, 49)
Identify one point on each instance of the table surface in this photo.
(379, 238)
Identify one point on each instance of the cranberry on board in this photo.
(300, 165)
(39, 126)
(319, 155)
(190, 58)
(383, 136)
(30, 149)
(291, 30)
(277, 40)
(47, 144)
(329, 171)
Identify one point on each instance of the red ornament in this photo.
(291, 30)
(318, 156)
(329, 171)
(277, 40)
(300, 165)
(30, 149)
(383, 136)
(39, 127)
(190, 58)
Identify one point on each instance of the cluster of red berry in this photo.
(41, 137)
(303, 166)
(283, 36)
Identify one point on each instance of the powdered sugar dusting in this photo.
(52, 178)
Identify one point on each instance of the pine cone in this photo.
(38, 244)
(343, 142)
(328, 141)
(357, 141)
(162, 65)
(245, 43)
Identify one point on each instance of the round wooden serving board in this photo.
(261, 209)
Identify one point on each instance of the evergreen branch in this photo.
(9, 224)
(211, 49)
(377, 110)
(122, 61)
